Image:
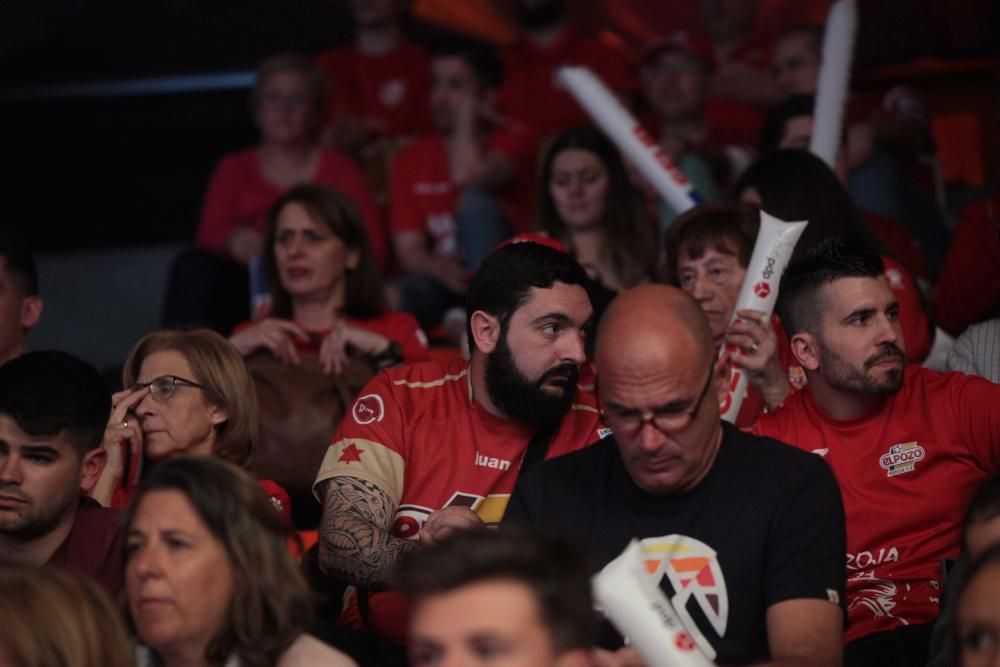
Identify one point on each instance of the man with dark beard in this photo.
(908, 445)
(432, 448)
(548, 41)
(53, 412)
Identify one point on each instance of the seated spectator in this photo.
(457, 587)
(549, 41)
(20, 305)
(968, 287)
(796, 185)
(977, 621)
(327, 294)
(977, 351)
(674, 74)
(55, 618)
(53, 409)
(741, 86)
(377, 83)
(435, 447)
(980, 533)
(706, 254)
(210, 579)
(587, 203)
(457, 194)
(744, 534)
(908, 445)
(186, 392)
(902, 213)
(209, 286)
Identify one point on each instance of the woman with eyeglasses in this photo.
(186, 393)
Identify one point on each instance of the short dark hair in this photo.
(481, 58)
(271, 605)
(814, 31)
(506, 276)
(727, 228)
(47, 393)
(777, 119)
(16, 258)
(799, 303)
(985, 504)
(554, 570)
(364, 291)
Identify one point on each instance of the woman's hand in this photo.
(123, 430)
(754, 347)
(276, 335)
(245, 244)
(333, 352)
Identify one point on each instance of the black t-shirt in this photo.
(765, 525)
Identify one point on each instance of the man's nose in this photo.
(573, 347)
(649, 438)
(10, 470)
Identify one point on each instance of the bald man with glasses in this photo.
(744, 534)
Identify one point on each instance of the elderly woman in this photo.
(327, 293)
(186, 392)
(209, 285)
(53, 617)
(209, 577)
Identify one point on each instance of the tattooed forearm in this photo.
(355, 539)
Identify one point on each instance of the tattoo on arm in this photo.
(355, 539)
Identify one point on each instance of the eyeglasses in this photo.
(664, 420)
(164, 387)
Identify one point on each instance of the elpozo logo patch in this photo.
(902, 458)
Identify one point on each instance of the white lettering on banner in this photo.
(902, 458)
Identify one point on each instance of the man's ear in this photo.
(31, 311)
(91, 468)
(722, 371)
(485, 331)
(805, 347)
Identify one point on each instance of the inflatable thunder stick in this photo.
(630, 137)
(834, 77)
(639, 609)
(775, 242)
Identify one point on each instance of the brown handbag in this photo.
(300, 408)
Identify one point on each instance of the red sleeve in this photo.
(968, 287)
(404, 211)
(912, 316)
(342, 174)
(410, 336)
(218, 211)
(974, 402)
(517, 143)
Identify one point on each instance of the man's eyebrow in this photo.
(675, 405)
(40, 449)
(556, 316)
(854, 314)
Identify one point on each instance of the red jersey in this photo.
(906, 474)
(424, 198)
(530, 93)
(399, 327)
(912, 316)
(900, 241)
(968, 287)
(417, 434)
(738, 121)
(388, 92)
(239, 196)
(95, 547)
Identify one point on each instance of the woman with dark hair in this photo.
(209, 576)
(977, 618)
(588, 204)
(796, 185)
(327, 293)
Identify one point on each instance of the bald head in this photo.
(645, 324)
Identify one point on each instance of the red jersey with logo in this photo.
(417, 434)
(388, 92)
(239, 196)
(906, 474)
(530, 93)
(424, 198)
(399, 327)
